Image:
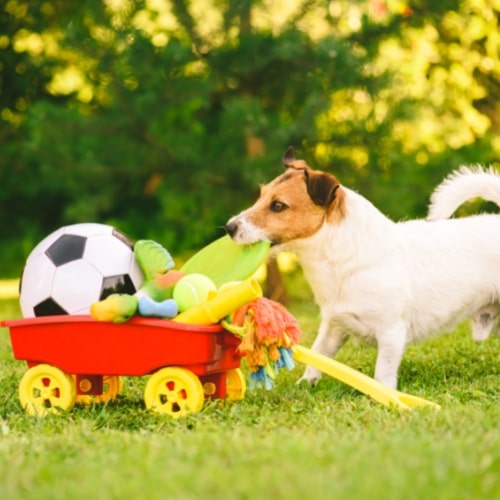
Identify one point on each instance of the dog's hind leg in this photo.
(391, 347)
(329, 340)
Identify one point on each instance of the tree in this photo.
(161, 135)
(162, 118)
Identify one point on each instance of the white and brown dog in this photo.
(392, 283)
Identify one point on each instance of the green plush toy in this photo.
(152, 258)
(157, 265)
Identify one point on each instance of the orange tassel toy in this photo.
(268, 332)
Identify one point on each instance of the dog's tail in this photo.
(462, 185)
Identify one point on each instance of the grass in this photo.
(291, 442)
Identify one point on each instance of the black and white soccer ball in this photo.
(76, 266)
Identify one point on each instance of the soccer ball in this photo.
(76, 266)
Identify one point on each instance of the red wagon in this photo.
(76, 358)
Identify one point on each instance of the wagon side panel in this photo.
(82, 345)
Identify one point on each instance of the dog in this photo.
(391, 283)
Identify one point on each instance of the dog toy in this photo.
(161, 286)
(363, 383)
(117, 308)
(221, 303)
(153, 309)
(223, 260)
(157, 264)
(267, 332)
(153, 297)
(153, 259)
(191, 290)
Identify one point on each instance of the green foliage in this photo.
(163, 118)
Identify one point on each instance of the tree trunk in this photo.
(275, 286)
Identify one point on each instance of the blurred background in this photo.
(161, 117)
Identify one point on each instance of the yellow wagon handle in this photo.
(363, 383)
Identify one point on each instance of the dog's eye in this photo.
(278, 206)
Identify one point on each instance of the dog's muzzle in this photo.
(244, 232)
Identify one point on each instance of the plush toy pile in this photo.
(266, 329)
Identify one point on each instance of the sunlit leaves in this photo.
(163, 116)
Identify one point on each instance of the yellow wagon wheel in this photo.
(175, 391)
(46, 389)
(112, 385)
(235, 385)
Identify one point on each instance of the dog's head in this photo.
(294, 205)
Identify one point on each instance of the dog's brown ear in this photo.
(289, 157)
(321, 187)
(289, 160)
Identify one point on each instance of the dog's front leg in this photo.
(391, 347)
(329, 340)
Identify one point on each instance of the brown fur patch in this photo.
(287, 210)
(298, 165)
(337, 210)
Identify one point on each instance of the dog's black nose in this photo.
(231, 228)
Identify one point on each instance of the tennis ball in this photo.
(191, 290)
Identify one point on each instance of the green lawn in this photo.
(291, 442)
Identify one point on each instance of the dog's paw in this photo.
(311, 376)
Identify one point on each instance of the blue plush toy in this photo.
(151, 308)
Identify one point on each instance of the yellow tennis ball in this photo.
(191, 290)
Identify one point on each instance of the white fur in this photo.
(394, 283)
(462, 185)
